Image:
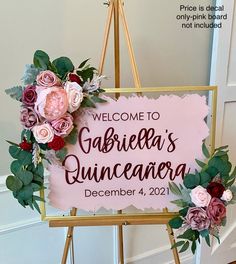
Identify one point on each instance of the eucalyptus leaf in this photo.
(63, 65)
(191, 180)
(25, 157)
(72, 137)
(87, 103)
(178, 244)
(15, 167)
(13, 183)
(61, 154)
(207, 239)
(174, 189)
(97, 99)
(200, 163)
(25, 176)
(194, 246)
(14, 151)
(30, 74)
(26, 193)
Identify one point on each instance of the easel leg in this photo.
(69, 239)
(121, 244)
(172, 241)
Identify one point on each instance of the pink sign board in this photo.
(128, 150)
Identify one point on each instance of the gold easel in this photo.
(116, 11)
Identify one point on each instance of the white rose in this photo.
(43, 133)
(74, 94)
(200, 197)
(227, 196)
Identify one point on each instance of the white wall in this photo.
(166, 55)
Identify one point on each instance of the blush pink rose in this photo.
(63, 125)
(43, 133)
(51, 103)
(75, 95)
(28, 117)
(200, 197)
(216, 211)
(197, 219)
(47, 79)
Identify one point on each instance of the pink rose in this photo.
(197, 219)
(216, 211)
(43, 133)
(47, 79)
(63, 125)
(51, 103)
(29, 95)
(28, 117)
(200, 197)
(75, 95)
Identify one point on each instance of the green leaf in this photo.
(184, 247)
(194, 246)
(183, 212)
(191, 180)
(212, 171)
(204, 178)
(186, 195)
(15, 92)
(61, 154)
(176, 222)
(13, 183)
(207, 238)
(97, 99)
(220, 154)
(178, 244)
(204, 233)
(64, 65)
(14, 151)
(38, 179)
(72, 137)
(25, 157)
(12, 143)
(180, 203)
(224, 221)
(190, 235)
(205, 151)
(36, 206)
(37, 198)
(25, 176)
(15, 166)
(41, 59)
(26, 193)
(82, 64)
(174, 189)
(39, 170)
(200, 163)
(36, 187)
(222, 148)
(87, 103)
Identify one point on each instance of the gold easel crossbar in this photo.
(136, 219)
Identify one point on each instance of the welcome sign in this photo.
(128, 150)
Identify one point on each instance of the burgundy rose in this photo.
(63, 126)
(197, 219)
(57, 143)
(215, 189)
(28, 117)
(26, 145)
(74, 78)
(216, 211)
(29, 95)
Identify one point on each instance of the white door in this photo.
(223, 74)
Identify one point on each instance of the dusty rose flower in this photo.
(47, 79)
(227, 196)
(43, 133)
(51, 103)
(75, 95)
(216, 211)
(28, 117)
(29, 95)
(200, 197)
(197, 219)
(63, 125)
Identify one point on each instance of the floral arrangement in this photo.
(52, 94)
(203, 199)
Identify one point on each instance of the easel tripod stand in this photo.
(115, 12)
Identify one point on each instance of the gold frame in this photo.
(133, 219)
